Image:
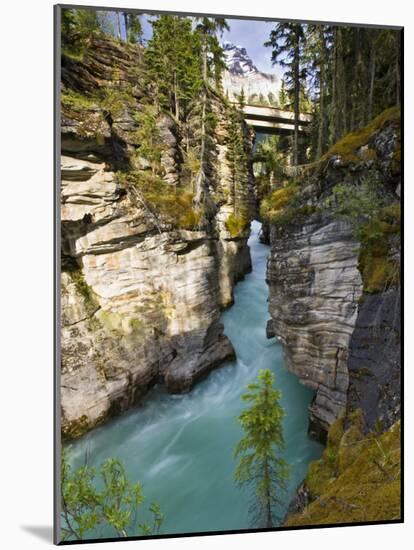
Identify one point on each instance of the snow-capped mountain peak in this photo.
(242, 74)
(238, 61)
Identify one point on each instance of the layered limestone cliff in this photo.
(314, 286)
(333, 288)
(334, 277)
(142, 287)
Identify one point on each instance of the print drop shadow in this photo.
(42, 532)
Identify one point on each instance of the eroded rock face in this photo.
(138, 305)
(141, 299)
(314, 288)
(340, 340)
(375, 360)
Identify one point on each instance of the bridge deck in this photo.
(273, 113)
(272, 120)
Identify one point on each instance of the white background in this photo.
(26, 289)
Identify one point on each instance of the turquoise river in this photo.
(180, 447)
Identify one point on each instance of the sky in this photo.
(249, 34)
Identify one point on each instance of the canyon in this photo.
(140, 298)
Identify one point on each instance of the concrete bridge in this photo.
(272, 120)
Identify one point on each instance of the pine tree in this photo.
(133, 27)
(79, 28)
(287, 41)
(260, 463)
(118, 26)
(173, 61)
(316, 59)
(68, 22)
(87, 21)
(207, 29)
(242, 100)
(283, 99)
(237, 157)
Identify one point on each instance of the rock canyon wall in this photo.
(141, 294)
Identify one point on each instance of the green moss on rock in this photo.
(168, 204)
(237, 223)
(379, 269)
(76, 428)
(357, 479)
(282, 207)
(82, 287)
(348, 146)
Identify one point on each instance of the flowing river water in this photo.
(180, 447)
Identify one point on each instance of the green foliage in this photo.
(79, 27)
(377, 227)
(353, 75)
(85, 507)
(82, 286)
(191, 166)
(165, 203)
(148, 138)
(357, 479)
(236, 224)
(379, 268)
(358, 203)
(242, 99)
(68, 21)
(212, 54)
(180, 63)
(133, 27)
(203, 144)
(258, 451)
(114, 99)
(270, 158)
(86, 21)
(173, 62)
(237, 159)
(279, 206)
(283, 96)
(76, 100)
(348, 146)
(279, 199)
(287, 41)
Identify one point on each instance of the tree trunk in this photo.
(371, 82)
(397, 70)
(296, 97)
(126, 26)
(176, 102)
(118, 20)
(333, 114)
(322, 93)
(341, 108)
(199, 190)
(269, 522)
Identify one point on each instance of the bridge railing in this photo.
(273, 113)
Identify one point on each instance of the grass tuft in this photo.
(357, 479)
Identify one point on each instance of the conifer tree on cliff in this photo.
(208, 28)
(287, 41)
(260, 463)
(133, 27)
(172, 59)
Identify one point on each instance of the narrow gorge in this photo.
(142, 291)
